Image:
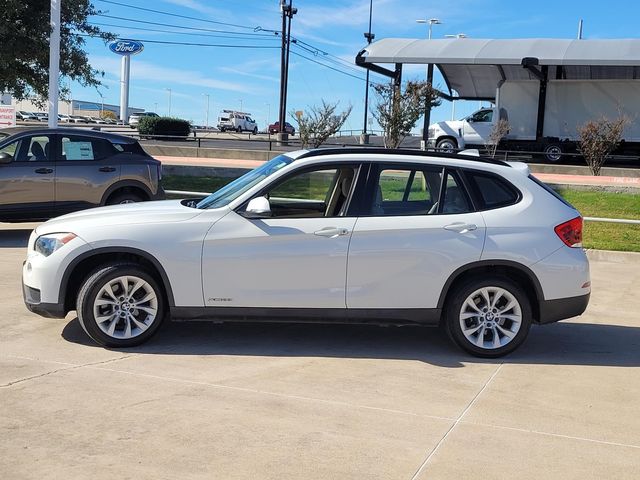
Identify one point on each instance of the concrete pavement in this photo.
(319, 402)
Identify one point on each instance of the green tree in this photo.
(24, 36)
(397, 110)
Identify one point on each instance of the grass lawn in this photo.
(602, 236)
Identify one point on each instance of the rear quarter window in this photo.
(492, 191)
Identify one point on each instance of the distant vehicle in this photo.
(64, 118)
(42, 116)
(475, 245)
(134, 118)
(25, 116)
(237, 121)
(98, 120)
(568, 105)
(49, 172)
(76, 119)
(288, 128)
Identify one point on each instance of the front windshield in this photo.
(233, 190)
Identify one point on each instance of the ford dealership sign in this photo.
(126, 47)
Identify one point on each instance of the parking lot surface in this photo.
(279, 402)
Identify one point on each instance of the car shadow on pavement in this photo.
(563, 343)
(14, 238)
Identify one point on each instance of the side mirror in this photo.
(6, 157)
(258, 207)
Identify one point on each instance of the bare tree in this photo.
(320, 123)
(498, 132)
(398, 111)
(598, 138)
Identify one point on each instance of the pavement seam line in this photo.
(70, 366)
(273, 394)
(558, 435)
(455, 423)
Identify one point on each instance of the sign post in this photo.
(125, 48)
(7, 116)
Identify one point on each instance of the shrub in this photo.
(320, 123)
(164, 126)
(598, 138)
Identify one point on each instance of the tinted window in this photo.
(75, 147)
(493, 191)
(406, 191)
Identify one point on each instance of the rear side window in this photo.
(492, 191)
(77, 148)
(129, 148)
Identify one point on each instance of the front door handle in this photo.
(44, 171)
(331, 232)
(461, 227)
(107, 169)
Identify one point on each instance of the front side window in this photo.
(482, 116)
(29, 149)
(311, 194)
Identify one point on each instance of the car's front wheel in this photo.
(120, 305)
(488, 317)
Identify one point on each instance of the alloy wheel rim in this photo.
(447, 147)
(554, 154)
(125, 307)
(490, 318)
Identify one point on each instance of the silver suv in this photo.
(134, 118)
(49, 172)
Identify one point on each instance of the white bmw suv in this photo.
(350, 235)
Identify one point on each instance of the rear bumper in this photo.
(562, 308)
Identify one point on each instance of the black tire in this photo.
(454, 310)
(255, 130)
(447, 145)
(88, 295)
(125, 197)
(553, 153)
(239, 129)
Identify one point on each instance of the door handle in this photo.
(44, 171)
(461, 227)
(107, 169)
(331, 232)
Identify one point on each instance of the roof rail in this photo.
(401, 151)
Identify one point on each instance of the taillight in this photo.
(571, 232)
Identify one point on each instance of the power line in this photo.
(193, 44)
(328, 66)
(240, 36)
(160, 12)
(135, 20)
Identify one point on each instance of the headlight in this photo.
(47, 244)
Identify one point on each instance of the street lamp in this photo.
(431, 22)
(101, 104)
(364, 139)
(207, 121)
(169, 90)
(268, 114)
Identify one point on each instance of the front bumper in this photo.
(32, 301)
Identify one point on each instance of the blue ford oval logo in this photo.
(126, 47)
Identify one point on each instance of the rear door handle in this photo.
(44, 171)
(461, 227)
(107, 169)
(331, 232)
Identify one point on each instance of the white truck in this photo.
(568, 104)
(236, 121)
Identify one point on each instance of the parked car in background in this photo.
(63, 117)
(25, 116)
(337, 235)
(42, 116)
(48, 172)
(230, 120)
(134, 118)
(288, 128)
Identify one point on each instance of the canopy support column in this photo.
(427, 110)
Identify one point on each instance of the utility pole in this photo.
(580, 29)
(364, 139)
(169, 111)
(207, 120)
(288, 11)
(54, 63)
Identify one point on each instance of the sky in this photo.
(248, 79)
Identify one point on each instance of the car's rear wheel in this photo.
(488, 317)
(120, 305)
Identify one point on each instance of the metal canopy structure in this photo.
(475, 67)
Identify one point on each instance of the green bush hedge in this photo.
(171, 127)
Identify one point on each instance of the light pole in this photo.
(268, 114)
(54, 63)
(169, 90)
(427, 106)
(207, 121)
(369, 38)
(101, 104)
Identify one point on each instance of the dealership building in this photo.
(75, 107)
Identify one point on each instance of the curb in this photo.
(613, 256)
